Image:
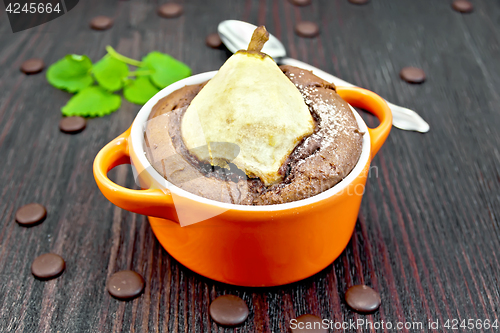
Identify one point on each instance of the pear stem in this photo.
(259, 38)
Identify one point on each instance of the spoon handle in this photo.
(402, 118)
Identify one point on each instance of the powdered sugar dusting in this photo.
(331, 122)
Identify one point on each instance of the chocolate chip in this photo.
(307, 29)
(309, 323)
(462, 6)
(47, 266)
(125, 284)
(72, 125)
(101, 23)
(229, 310)
(31, 214)
(214, 41)
(170, 10)
(300, 2)
(362, 299)
(32, 66)
(412, 75)
(359, 2)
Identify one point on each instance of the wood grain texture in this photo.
(428, 233)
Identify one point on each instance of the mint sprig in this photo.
(96, 84)
(71, 73)
(110, 73)
(139, 91)
(92, 101)
(166, 70)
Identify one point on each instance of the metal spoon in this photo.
(237, 34)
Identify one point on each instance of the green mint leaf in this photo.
(110, 72)
(167, 69)
(139, 91)
(71, 73)
(92, 102)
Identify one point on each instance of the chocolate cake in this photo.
(317, 163)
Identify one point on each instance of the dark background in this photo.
(427, 237)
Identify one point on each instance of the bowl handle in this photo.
(153, 202)
(372, 103)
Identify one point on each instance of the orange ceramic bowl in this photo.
(237, 244)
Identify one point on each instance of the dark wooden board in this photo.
(427, 237)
